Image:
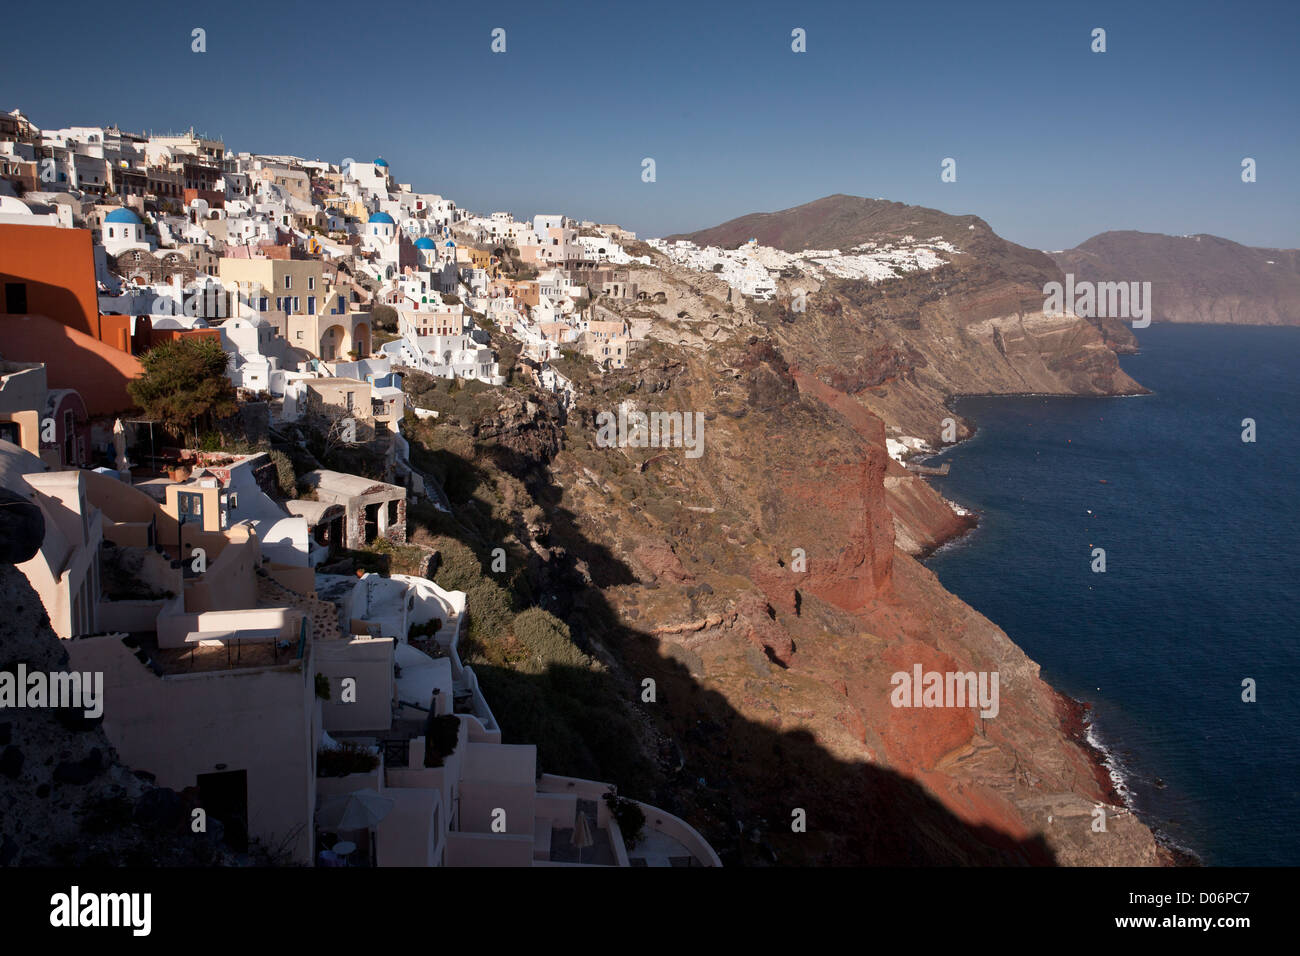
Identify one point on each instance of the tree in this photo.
(184, 384)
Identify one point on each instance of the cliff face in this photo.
(1195, 278)
(768, 586)
(761, 587)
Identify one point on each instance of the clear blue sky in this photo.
(1053, 142)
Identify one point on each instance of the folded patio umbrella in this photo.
(582, 834)
(360, 810)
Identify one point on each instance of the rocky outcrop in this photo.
(923, 520)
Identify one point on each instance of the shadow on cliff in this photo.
(738, 781)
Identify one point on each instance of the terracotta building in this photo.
(49, 312)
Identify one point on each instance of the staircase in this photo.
(326, 617)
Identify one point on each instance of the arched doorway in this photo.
(335, 343)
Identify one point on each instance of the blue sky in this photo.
(1053, 143)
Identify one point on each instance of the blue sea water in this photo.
(1200, 534)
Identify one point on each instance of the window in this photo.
(350, 400)
(299, 336)
(296, 309)
(110, 232)
(189, 504)
(288, 282)
(311, 283)
(311, 305)
(16, 298)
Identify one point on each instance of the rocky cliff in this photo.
(761, 587)
(768, 587)
(1195, 278)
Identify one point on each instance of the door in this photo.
(224, 797)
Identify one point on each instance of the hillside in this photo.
(837, 221)
(1195, 278)
(772, 679)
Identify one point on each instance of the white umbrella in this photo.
(582, 834)
(360, 810)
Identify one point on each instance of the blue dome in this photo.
(424, 242)
(381, 162)
(449, 244)
(382, 217)
(123, 215)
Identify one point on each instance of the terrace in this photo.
(232, 649)
(666, 840)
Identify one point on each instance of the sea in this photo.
(1186, 644)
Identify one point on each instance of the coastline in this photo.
(1077, 724)
(1076, 716)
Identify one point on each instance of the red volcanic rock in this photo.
(761, 628)
(851, 502)
(660, 560)
(917, 737)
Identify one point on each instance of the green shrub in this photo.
(459, 568)
(547, 639)
(489, 613)
(441, 735)
(630, 817)
(285, 477)
(349, 757)
(427, 629)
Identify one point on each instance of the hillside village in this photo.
(752, 269)
(262, 656)
(303, 462)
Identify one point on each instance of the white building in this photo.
(123, 231)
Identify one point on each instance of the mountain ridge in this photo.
(1198, 278)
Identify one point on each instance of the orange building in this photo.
(49, 273)
(72, 360)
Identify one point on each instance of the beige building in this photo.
(22, 396)
(292, 285)
(65, 571)
(295, 182)
(374, 509)
(318, 316)
(333, 396)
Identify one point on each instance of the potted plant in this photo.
(630, 818)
